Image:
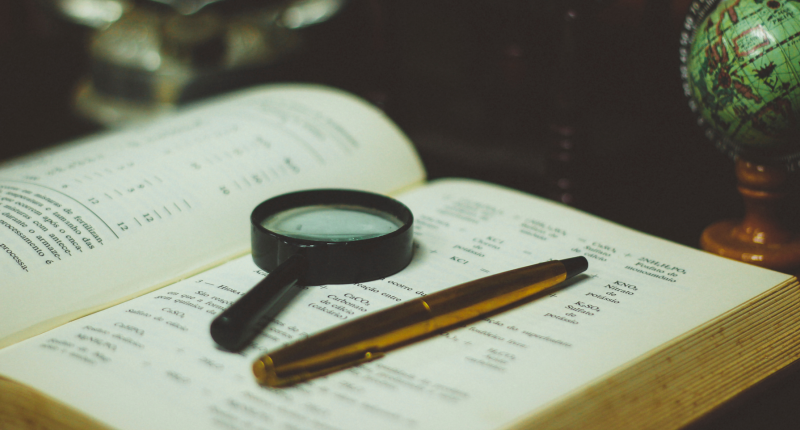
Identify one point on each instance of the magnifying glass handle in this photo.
(235, 327)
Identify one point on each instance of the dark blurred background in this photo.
(576, 100)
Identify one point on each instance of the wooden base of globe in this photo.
(725, 238)
(768, 235)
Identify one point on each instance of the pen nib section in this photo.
(266, 373)
(364, 339)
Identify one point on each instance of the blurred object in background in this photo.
(149, 56)
(475, 85)
(566, 117)
(477, 88)
(496, 88)
(471, 85)
(41, 58)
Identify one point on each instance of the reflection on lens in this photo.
(333, 223)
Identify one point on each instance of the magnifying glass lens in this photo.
(333, 223)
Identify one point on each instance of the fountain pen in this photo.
(371, 336)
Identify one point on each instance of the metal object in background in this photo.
(149, 56)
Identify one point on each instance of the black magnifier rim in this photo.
(345, 262)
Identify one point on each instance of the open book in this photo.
(151, 226)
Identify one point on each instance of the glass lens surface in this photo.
(332, 223)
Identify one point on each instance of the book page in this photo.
(104, 219)
(150, 363)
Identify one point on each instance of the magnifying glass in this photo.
(316, 237)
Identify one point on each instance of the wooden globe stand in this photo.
(767, 236)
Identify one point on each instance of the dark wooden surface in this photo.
(478, 88)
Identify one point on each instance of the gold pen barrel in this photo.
(370, 336)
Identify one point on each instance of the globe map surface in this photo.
(741, 71)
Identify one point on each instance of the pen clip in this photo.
(265, 373)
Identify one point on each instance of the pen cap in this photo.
(575, 265)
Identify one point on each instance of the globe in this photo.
(741, 72)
